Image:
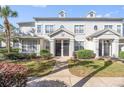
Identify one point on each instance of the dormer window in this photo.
(95, 27)
(62, 14)
(91, 14)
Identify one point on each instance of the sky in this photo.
(27, 12)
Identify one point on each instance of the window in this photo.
(79, 45)
(49, 28)
(38, 28)
(95, 27)
(119, 28)
(16, 44)
(79, 29)
(91, 15)
(29, 46)
(108, 26)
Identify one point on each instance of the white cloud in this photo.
(108, 14)
(99, 15)
(42, 6)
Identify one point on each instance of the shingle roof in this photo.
(77, 19)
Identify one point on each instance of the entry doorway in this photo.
(105, 47)
(61, 47)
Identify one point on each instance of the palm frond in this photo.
(14, 14)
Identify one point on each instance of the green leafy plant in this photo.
(121, 54)
(45, 54)
(85, 54)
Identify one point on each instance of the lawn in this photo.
(96, 68)
(38, 68)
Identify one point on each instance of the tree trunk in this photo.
(7, 29)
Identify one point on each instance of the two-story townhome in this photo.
(63, 35)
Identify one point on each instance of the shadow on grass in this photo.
(47, 83)
(85, 79)
(77, 63)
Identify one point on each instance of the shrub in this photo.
(121, 54)
(45, 54)
(12, 75)
(2, 57)
(85, 54)
(4, 50)
(12, 56)
(16, 50)
(16, 56)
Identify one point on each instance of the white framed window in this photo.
(29, 46)
(108, 26)
(119, 28)
(49, 28)
(39, 28)
(79, 45)
(78, 29)
(16, 44)
(95, 27)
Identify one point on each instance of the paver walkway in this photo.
(62, 73)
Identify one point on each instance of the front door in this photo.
(65, 47)
(105, 47)
(58, 48)
(62, 48)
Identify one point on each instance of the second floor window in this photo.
(108, 26)
(38, 28)
(49, 28)
(119, 28)
(95, 27)
(79, 29)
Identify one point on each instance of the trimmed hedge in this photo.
(12, 75)
(4, 50)
(16, 56)
(121, 54)
(85, 54)
(45, 54)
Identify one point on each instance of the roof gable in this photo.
(61, 30)
(105, 32)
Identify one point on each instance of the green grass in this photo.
(84, 68)
(39, 68)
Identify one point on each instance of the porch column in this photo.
(115, 48)
(96, 41)
(20, 46)
(41, 44)
(38, 47)
(52, 47)
(71, 47)
(102, 47)
(62, 48)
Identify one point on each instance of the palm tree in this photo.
(5, 13)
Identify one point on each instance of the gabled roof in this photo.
(59, 30)
(96, 34)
